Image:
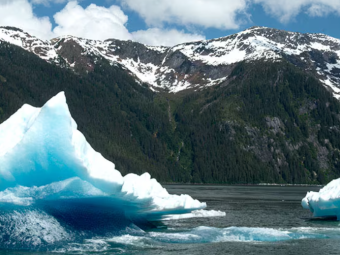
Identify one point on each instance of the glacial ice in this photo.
(196, 214)
(326, 202)
(44, 157)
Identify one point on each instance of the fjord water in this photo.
(265, 207)
(259, 220)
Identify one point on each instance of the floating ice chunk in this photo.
(217, 235)
(143, 187)
(197, 214)
(326, 202)
(43, 156)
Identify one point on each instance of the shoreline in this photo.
(237, 184)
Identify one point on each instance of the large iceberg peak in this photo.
(49, 148)
(13, 130)
(58, 100)
(43, 156)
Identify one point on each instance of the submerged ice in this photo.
(326, 202)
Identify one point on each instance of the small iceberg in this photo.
(326, 202)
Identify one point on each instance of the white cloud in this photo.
(157, 37)
(285, 10)
(221, 14)
(100, 23)
(47, 2)
(19, 13)
(319, 10)
(96, 22)
(93, 22)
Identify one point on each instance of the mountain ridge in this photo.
(192, 65)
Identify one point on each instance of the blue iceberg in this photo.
(326, 202)
(54, 187)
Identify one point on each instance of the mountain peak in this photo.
(12, 28)
(192, 65)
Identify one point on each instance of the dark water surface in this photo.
(275, 207)
(259, 220)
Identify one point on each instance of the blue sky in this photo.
(164, 22)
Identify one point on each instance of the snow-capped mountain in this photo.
(192, 65)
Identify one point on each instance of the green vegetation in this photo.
(117, 116)
(2, 79)
(271, 123)
(233, 142)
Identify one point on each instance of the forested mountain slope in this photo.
(118, 116)
(269, 121)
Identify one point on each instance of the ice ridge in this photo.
(43, 156)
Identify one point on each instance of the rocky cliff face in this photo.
(194, 65)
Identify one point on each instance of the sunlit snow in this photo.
(256, 43)
(326, 202)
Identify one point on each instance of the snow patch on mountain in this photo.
(44, 49)
(192, 65)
